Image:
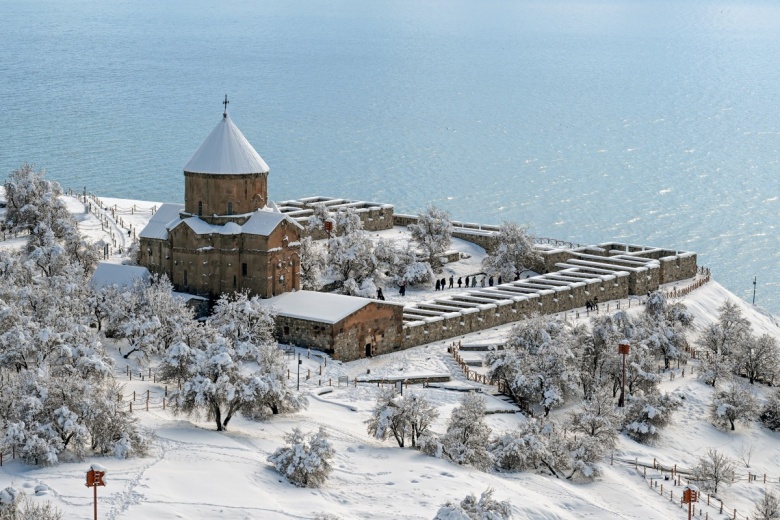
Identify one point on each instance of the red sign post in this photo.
(94, 479)
(623, 351)
(690, 495)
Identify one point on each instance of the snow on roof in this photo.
(164, 219)
(262, 222)
(226, 151)
(318, 306)
(185, 297)
(117, 274)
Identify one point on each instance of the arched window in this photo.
(200, 208)
(230, 208)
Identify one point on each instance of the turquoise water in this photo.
(648, 122)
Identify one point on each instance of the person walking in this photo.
(499, 280)
(482, 282)
(490, 281)
(460, 282)
(467, 282)
(474, 281)
(438, 285)
(379, 294)
(452, 282)
(443, 283)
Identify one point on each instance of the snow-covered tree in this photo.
(467, 434)
(732, 404)
(768, 508)
(537, 364)
(46, 415)
(522, 449)
(405, 416)
(402, 264)
(433, 233)
(32, 201)
(242, 319)
(513, 252)
(714, 469)
(598, 418)
(646, 414)
(312, 264)
(666, 328)
(585, 453)
(351, 259)
(728, 332)
(471, 508)
(16, 505)
(770, 412)
(177, 320)
(597, 352)
(319, 216)
(757, 357)
(715, 368)
(216, 376)
(305, 459)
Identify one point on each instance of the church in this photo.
(227, 236)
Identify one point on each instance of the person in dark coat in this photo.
(490, 281)
(452, 282)
(379, 294)
(443, 283)
(460, 282)
(467, 281)
(438, 285)
(499, 280)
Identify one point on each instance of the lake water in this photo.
(648, 122)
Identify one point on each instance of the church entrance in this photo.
(368, 349)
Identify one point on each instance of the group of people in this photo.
(444, 283)
(592, 305)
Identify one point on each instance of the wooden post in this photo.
(131, 407)
(133, 395)
(163, 403)
(320, 369)
(147, 404)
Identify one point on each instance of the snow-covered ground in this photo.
(195, 472)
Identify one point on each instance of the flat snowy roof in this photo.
(317, 306)
(117, 274)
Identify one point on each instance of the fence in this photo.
(673, 476)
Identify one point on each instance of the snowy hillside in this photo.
(196, 472)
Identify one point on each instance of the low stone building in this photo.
(345, 327)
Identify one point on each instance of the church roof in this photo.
(261, 222)
(226, 151)
(163, 219)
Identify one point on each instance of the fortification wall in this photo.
(488, 315)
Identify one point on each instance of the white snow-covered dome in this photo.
(226, 151)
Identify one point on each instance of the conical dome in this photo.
(226, 151)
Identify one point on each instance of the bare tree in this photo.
(768, 508)
(745, 454)
(714, 469)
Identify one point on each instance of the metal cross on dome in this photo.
(224, 114)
